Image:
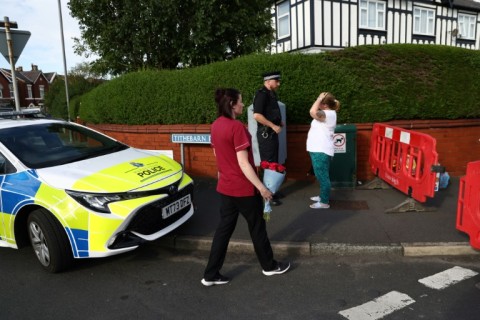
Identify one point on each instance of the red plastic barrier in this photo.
(405, 159)
(468, 206)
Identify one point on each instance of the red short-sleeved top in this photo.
(228, 136)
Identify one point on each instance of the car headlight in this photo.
(99, 202)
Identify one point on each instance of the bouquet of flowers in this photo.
(273, 176)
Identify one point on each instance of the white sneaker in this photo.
(316, 198)
(218, 280)
(282, 267)
(319, 205)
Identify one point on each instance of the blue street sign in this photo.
(191, 138)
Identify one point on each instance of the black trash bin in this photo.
(343, 169)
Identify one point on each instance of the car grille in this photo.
(148, 220)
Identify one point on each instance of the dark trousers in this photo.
(252, 210)
(268, 146)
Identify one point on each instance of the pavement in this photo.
(356, 223)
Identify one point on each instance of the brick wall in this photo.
(458, 142)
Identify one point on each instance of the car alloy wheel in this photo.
(39, 244)
(49, 241)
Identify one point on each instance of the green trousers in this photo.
(321, 167)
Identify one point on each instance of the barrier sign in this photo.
(468, 205)
(191, 138)
(340, 142)
(405, 159)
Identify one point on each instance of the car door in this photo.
(3, 170)
(6, 167)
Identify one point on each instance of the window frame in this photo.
(423, 17)
(380, 14)
(29, 91)
(6, 167)
(42, 91)
(470, 29)
(282, 19)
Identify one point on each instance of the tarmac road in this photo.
(153, 282)
(356, 223)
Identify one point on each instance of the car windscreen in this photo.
(51, 144)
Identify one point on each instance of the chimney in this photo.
(34, 67)
(20, 69)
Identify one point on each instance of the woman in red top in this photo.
(240, 189)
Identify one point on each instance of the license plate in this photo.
(176, 206)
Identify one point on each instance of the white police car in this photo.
(72, 192)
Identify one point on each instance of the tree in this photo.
(132, 35)
(84, 70)
(55, 101)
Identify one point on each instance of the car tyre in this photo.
(49, 241)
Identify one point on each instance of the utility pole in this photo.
(7, 25)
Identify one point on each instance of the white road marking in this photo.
(448, 277)
(394, 300)
(379, 307)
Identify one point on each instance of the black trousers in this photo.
(268, 146)
(252, 210)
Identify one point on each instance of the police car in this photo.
(71, 192)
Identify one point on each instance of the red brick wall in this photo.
(458, 142)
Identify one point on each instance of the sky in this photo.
(44, 48)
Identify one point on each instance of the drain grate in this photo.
(348, 205)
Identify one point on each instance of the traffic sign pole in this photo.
(12, 63)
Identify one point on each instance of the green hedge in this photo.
(373, 83)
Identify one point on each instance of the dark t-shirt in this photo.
(228, 136)
(266, 103)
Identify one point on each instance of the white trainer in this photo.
(316, 199)
(319, 205)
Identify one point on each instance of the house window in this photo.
(283, 19)
(466, 26)
(42, 91)
(29, 89)
(1, 91)
(12, 93)
(423, 21)
(372, 14)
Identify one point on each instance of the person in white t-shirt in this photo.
(320, 144)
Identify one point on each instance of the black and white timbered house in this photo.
(321, 25)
